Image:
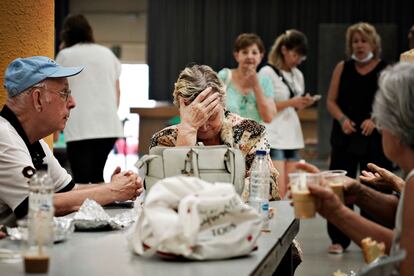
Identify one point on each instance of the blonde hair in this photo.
(193, 80)
(368, 32)
(292, 40)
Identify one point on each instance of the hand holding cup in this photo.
(335, 180)
(303, 201)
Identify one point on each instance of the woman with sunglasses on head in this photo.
(284, 131)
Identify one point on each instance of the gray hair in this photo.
(393, 107)
(20, 101)
(193, 80)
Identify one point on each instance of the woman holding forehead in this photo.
(199, 93)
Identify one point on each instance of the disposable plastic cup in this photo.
(303, 200)
(335, 179)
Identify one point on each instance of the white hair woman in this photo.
(393, 113)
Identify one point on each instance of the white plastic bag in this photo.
(191, 218)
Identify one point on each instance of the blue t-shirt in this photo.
(245, 106)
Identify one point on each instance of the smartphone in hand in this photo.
(317, 97)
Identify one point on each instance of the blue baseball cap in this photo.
(23, 73)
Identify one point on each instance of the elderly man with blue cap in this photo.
(38, 104)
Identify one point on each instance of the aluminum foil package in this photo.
(92, 216)
(64, 227)
(62, 230)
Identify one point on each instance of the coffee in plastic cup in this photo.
(36, 264)
(303, 200)
(335, 179)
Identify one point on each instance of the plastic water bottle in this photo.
(260, 187)
(40, 222)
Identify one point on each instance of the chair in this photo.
(383, 266)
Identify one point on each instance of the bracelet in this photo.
(342, 119)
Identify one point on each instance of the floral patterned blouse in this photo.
(236, 132)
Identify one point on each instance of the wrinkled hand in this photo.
(127, 185)
(301, 166)
(195, 114)
(382, 178)
(352, 189)
(348, 126)
(116, 171)
(326, 202)
(251, 79)
(367, 127)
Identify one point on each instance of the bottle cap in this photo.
(261, 152)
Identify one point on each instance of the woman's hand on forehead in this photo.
(196, 113)
(203, 95)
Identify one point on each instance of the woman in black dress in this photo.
(354, 139)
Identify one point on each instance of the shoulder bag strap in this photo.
(235, 164)
(291, 94)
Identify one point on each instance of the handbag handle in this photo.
(237, 159)
(142, 165)
(188, 164)
(228, 160)
(191, 166)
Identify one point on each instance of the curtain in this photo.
(181, 32)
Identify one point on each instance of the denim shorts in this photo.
(285, 155)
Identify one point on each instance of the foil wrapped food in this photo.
(63, 228)
(92, 216)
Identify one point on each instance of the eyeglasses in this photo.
(299, 56)
(64, 94)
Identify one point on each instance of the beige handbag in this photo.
(210, 163)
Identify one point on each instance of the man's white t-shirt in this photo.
(14, 156)
(94, 90)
